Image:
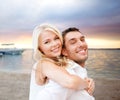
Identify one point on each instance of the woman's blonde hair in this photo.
(37, 54)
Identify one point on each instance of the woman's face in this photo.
(49, 44)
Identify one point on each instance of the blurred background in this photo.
(99, 20)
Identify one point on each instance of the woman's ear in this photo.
(64, 52)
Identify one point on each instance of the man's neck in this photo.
(82, 64)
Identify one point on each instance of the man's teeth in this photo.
(81, 51)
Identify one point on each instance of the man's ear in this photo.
(64, 52)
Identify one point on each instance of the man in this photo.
(76, 49)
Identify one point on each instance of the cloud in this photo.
(98, 19)
(25, 14)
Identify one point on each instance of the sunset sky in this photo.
(99, 20)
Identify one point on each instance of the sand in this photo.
(15, 86)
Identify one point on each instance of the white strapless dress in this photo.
(53, 91)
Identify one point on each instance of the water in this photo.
(104, 63)
(17, 63)
(101, 63)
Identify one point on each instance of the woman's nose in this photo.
(54, 43)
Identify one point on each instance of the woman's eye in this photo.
(46, 42)
(56, 38)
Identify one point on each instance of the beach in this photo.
(15, 86)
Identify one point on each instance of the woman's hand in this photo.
(90, 89)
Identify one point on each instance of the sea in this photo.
(101, 63)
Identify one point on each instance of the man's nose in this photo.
(80, 43)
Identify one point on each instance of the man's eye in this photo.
(72, 42)
(82, 39)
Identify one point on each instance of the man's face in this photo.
(76, 47)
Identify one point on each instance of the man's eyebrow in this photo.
(75, 38)
(72, 39)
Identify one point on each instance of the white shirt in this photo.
(81, 72)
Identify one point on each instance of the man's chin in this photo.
(83, 58)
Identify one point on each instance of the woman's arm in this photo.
(61, 76)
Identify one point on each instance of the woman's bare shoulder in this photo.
(46, 63)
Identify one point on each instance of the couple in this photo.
(59, 72)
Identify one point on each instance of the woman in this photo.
(49, 71)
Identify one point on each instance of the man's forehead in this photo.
(74, 34)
